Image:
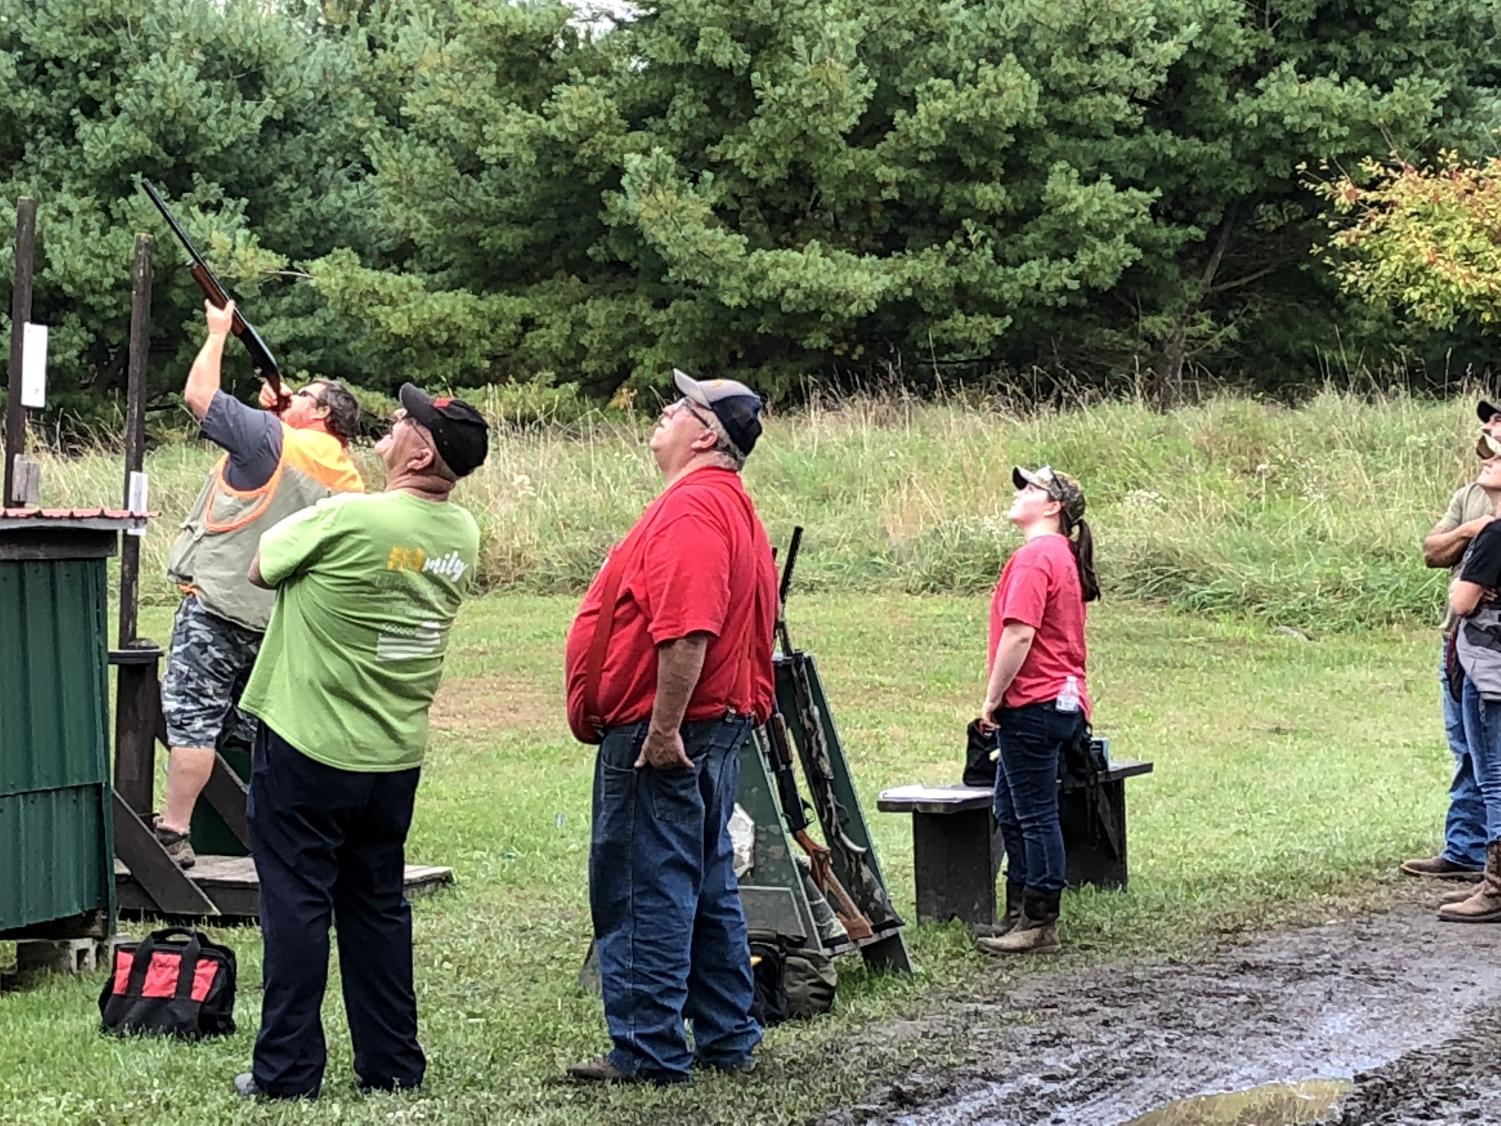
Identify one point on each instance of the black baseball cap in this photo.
(1484, 409)
(737, 407)
(459, 431)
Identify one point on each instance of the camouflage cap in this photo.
(1060, 486)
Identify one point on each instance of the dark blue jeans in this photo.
(1026, 793)
(1482, 720)
(329, 845)
(668, 927)
(1464, 827)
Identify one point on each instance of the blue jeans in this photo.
(1026, 793)
(1464, 827)
(668, 927)
(1482, 720)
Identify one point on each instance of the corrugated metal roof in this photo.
(88, 519)
(70, 513)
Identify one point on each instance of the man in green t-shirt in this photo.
(367, 588)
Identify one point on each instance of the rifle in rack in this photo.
(820, 858)
(260, 356)
(849, 861)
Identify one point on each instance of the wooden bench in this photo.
(956, 848)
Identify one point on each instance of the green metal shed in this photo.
(56, 842)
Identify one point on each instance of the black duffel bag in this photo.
(175, 983)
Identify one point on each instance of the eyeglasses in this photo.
(688, 405)
(316, 401)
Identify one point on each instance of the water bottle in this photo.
(1068, 699)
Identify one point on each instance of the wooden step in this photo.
(230, 883)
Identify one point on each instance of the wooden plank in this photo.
(165, 884)
(135, 430)
(20, 313)
(29, 541)
(91, 924)
(137, 708)
(227, 794)
(231, 884)
(958, 798)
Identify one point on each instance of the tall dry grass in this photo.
(1309, 516)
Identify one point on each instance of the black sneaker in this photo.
(175, 844)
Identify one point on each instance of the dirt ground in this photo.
(1407, 1006)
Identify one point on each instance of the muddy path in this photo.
(1409, 1006)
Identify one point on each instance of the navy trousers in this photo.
(330, 846)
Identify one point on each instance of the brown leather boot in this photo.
(1459, 895)
(1484, 905)
(1437, 868)
(1007, 922)
(1036, 932)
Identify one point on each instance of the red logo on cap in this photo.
(442, 402)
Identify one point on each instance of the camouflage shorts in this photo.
(207, 668)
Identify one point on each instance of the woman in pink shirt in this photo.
(1036, 697)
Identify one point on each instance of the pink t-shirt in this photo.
(1039, 587)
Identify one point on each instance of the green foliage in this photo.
(468, 192)
(1427, 239)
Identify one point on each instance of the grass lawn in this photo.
(1291, 775)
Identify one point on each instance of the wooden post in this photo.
(138, 692)
(135, 429)
(20, 313)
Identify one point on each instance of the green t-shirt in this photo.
(367, 588)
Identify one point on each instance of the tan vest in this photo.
(222, 533)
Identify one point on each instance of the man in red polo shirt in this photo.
(669, 669)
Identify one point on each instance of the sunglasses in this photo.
(692, 408)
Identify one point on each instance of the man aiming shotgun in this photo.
(272, 467)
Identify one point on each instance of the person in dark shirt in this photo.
(1477, 645)
(271, 468)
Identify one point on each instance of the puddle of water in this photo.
(1275, 1104)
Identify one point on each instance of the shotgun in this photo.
(260, 356)
(855, 922)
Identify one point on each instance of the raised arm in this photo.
(204, 376)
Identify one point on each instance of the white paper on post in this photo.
(34, 366)
(139, 495)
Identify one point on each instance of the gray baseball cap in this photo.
(737, 407)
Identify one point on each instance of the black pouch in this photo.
(169, 987)
(769, 979)
(1081, 761)
(1454, 673)
(979, 767)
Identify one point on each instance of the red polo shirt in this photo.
(1039, 587)
(700, 564)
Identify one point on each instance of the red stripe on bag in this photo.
(161, 975)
